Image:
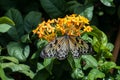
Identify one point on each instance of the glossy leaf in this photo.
(40, 66)
(118, 75)
(12, 59)
(31, 21)
(77, 63)
(36, 55)
(4, 28)
(54, 8)
(77, 73)
(107, 2)
(107, 54)
(72, 5)
(16, 16)
(94, 74)
(96, 45)
(90, 62)
(106, 66)
(22, 68)
(25, 38)
(87, 38)
(103, 39)
(110, 46)
(41, 43)
(2, 74)
(18, 51)
(26, 51)
(71, 61)
(74, 62)
(85, 10)
(13, 33)
(48, 63)
(6, 20)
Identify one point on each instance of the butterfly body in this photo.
(61, 46)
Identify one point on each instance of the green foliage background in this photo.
(20, 50)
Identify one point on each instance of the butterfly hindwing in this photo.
(49, 50)
(77, 46)
(57, 48)
(62, 48)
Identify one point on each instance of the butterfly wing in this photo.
(57, 48)
(62, 48)
(77, 46)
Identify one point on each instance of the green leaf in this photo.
(41, 43)
(77, 63)
(48, 63)
(118, 75)
(110, 46)
(0, 50)
(39, 67)
(4, 28)
(2, 74)
(106, 66)
(35, 55)
(19, 51)
(31, 21)
(96, 45)
(85, 10)
(71, 61)
(74, 63)
(13, 33)
(117, 67)
(99, 40)
(77, 73)
(22, 68)
(87, 38)
(26, 51)
(12, 59)
(94, 74)
(6, 20)
(72, 5)
(54, 8)
(41, 75)
(25, 38)
(90, 62)
(107, 54)
(108, 3)
(16, 16)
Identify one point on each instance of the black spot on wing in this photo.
(56, 41)
(77, 39)
(59, 45)
(61, 54)
(51, 45)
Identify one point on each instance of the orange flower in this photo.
(69, 25)
(88, 29)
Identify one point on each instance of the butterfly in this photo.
(61, 46)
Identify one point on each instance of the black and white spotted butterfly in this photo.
(61, 46)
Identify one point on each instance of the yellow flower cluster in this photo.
(69, 25)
